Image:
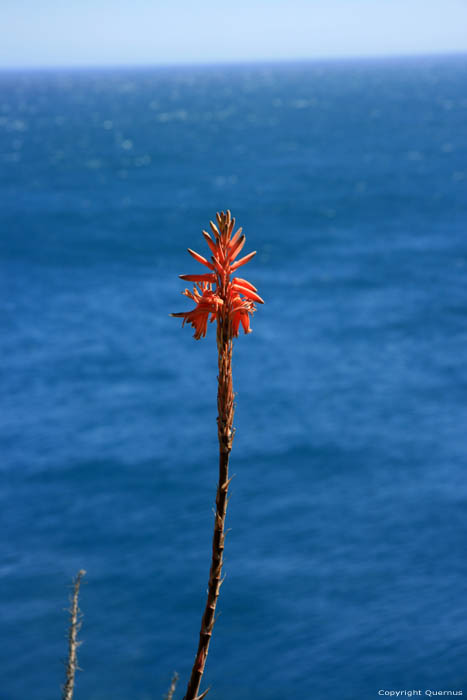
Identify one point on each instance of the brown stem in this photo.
(225, 407)
(73, 643)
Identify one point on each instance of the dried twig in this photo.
(73, 643)
(173, 685)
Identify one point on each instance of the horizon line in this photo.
(234, 62)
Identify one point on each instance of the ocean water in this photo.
(345, 565)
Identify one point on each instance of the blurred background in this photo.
(123, 129)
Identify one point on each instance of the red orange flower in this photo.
(207, 302)
(215, 293)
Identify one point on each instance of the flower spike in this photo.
(230, 300)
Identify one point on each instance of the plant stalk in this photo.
(172, 688)
(73, 643)
(225, 405)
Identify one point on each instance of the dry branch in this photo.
(73, 643)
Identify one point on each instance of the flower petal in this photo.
(214, 229)
(237, 248)
(235, 238)
(200, 258)
(235, 324)
(244, 283)
(242, 261)
(204, 277)
(210, 242)
(245, 320)
(248, 293)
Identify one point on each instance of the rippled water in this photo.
(346, 567)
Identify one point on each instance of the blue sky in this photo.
(128, 32)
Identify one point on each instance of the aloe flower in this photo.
(230, 301)
(214, 292)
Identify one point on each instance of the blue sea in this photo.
(346, 567)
